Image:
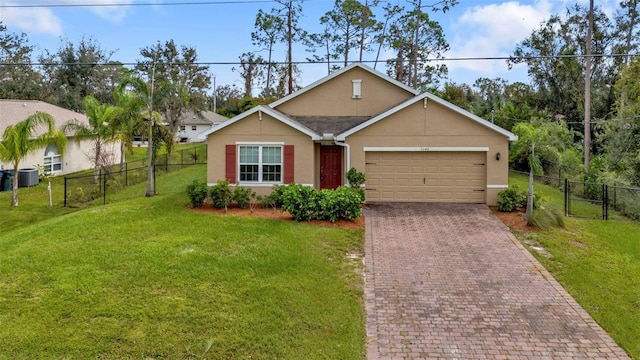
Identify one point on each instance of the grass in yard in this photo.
(145, 278)
(598, 262)
(34, 201)
(140, 152)
(33, 205)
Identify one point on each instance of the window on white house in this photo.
(183, 128)
(194, 127)
(52, 159)
(260, 163)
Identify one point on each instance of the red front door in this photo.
(330, 167)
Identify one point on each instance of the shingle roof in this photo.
(330, 124)
(205, 118)
(343, 126)
(14, 111)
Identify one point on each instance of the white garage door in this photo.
(426, 176)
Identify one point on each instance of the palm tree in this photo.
(99, 129)
(140, 104)
(128, 122)
(19, 140)
(534, 143)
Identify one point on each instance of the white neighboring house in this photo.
(191, 125)
(77, 155)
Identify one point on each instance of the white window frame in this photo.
(194, 127)
(357, 89)
(260, 163)
(183, 128)
(54, 158)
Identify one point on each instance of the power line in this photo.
(191, 3)
(470, 58)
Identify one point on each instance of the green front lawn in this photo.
(598, 262)
(146, 278)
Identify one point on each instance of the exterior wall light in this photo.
(498, 156)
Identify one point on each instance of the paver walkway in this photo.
(450, 281)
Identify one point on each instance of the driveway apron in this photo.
(450, 281)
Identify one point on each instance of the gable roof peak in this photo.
(266, 110)
(424, 96)
(338, 73)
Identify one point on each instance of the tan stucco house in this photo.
(411, 146)
(77, 155)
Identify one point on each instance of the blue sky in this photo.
(222, 32)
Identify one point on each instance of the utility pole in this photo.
(214, 93)
(587, 91)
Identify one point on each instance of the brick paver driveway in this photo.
(450, 281)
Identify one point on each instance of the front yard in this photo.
(145, 278)
(598, 262)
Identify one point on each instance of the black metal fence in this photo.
(80, 189)
(586, 199)
(593, 199)
(625, 200)
(555, 181)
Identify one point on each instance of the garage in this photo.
(426, 176)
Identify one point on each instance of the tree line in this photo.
(554, 101)
(556, 56)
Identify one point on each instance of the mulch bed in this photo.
(514, 220)
(276, 214)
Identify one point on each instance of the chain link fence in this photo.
(594, 199)
(579, 193)
(81, 189)
(625, 200)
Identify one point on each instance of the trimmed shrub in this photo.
(356, 179)
(305, 203)
(302, 202)
(273, 200)
(221, 195)
(197, 192)
(341, 203)
(277, 195)
(510, 198)
(513, 197)
(242, 196)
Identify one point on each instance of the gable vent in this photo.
(357, 89)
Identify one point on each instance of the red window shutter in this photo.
(230, 163)
(288, 164)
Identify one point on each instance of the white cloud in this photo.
(31, 20)
(113, 14)
(44, 20)
(493, 31)
(116, 14)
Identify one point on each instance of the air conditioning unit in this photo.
(28, 177)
